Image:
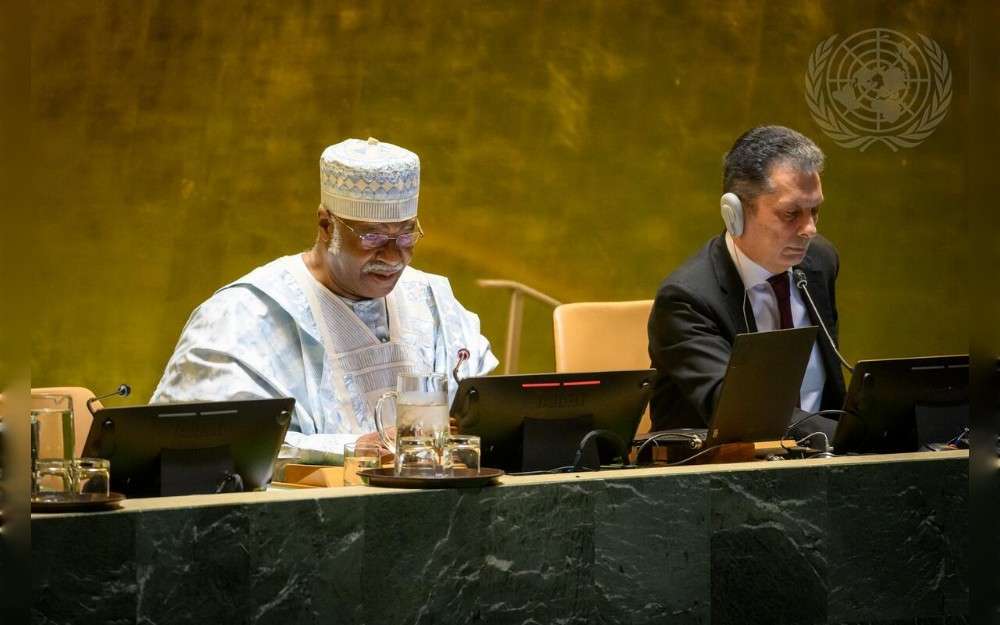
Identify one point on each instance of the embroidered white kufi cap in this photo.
(370, 181)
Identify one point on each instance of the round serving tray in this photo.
(87, 502)
(459, 478)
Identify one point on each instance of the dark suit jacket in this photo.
(696, 317)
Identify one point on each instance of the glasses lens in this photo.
(373, 240)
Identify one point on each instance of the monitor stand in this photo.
(552, 443)
(198, 471)
(939, 423)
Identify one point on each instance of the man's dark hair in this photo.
(748, 163)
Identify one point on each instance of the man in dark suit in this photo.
(741, 281)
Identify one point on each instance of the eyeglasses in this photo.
(375, 240)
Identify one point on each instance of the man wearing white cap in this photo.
(333, 326)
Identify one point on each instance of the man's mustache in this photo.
(383, 268)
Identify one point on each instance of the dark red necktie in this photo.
(782, 290)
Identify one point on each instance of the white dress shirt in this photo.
(765, 312)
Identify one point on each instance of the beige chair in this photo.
(81, 418)
(602, 336)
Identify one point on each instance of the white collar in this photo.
(751, 273)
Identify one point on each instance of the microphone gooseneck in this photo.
(801, 283)
(123, 389)
(463, 355)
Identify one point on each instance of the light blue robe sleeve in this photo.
(239, 344)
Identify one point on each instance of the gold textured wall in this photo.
(574, 146)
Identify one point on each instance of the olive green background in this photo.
(572, 146)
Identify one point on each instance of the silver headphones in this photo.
(732, 213)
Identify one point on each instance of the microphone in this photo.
(801, 283)
(463, 355)
(123, 389)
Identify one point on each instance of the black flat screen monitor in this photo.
(537, 421)
(190, 448)
(901, 404)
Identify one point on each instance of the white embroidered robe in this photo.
(259, 337)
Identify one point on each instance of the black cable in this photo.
(578, 458)
(692, 457)
(693, 439)
(230, 483)
(605, 434)
(825, 451)
(818, 413)
(569, 469)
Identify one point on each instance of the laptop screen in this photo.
(761, 387)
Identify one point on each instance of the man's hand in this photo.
(374, 439)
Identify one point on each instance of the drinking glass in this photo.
(358, 457)
(461, 452)
(416, 455)
(91, 476)
(421, 410)
(52, 423)
(52, 476)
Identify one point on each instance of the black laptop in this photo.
(190, 448)
(761, 387)
(760, 391)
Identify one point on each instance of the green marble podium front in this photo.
(879, 539)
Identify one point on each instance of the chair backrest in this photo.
(81, 416)
(602, 336)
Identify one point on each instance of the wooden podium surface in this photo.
(842, 540)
